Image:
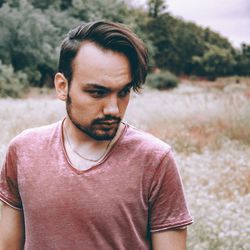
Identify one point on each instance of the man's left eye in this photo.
(124, 92)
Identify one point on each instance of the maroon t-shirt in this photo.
(134, 191)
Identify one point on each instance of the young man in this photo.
(92, 181)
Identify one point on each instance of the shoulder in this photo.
(146, 141)
(34, 136)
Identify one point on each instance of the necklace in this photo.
(83, 157)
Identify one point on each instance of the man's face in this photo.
(99, 92)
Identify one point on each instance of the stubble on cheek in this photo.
(98, 128)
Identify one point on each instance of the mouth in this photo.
(109, 123)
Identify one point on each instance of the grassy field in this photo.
(208, 125)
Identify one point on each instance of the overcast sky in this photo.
(231, 18)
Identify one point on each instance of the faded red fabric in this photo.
(114, 205)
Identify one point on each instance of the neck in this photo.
(83, 146)
(79, 138)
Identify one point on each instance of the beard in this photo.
(100, 129)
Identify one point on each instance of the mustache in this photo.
(107, 119)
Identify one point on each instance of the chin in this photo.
(97, 133)
(103, 136)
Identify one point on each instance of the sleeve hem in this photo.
(9, 203)
(177, 225)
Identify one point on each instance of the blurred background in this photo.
(196, 98)
(207, 39)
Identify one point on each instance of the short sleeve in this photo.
(9, 192)
(167, 204)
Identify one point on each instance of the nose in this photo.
(111, 106)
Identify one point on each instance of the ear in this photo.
(61, 86)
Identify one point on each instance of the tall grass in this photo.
(192, 118)
(209, 128)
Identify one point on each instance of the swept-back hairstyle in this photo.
(106, 35)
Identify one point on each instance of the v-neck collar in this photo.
(95, 165)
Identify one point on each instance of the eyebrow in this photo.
(101, 87)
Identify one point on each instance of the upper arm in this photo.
(169, 239)
(11, 228)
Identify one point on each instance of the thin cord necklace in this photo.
(83, 157)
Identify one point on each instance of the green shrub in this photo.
(162, 80)
(12, 84)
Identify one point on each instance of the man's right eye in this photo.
(97, 93)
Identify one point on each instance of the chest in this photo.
(106, 191)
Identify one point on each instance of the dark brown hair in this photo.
(107, 35)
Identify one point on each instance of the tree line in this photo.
(31, 32)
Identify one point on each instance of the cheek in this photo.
(86, 106)
(124, 104)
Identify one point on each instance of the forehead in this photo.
(93, 63)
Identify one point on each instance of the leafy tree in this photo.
(12, 3)
(12, 84)
(156, 7)
(2, 2)
(162, 80)
(90, 10)
(216, 62)
(138, 21)
(184, 48)
(212, 37)
(30, 39)
(31, 31)
(65, 4)
(62, 21)
(242, 57)
(160, 30)
(187, 42)
(45, 4)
